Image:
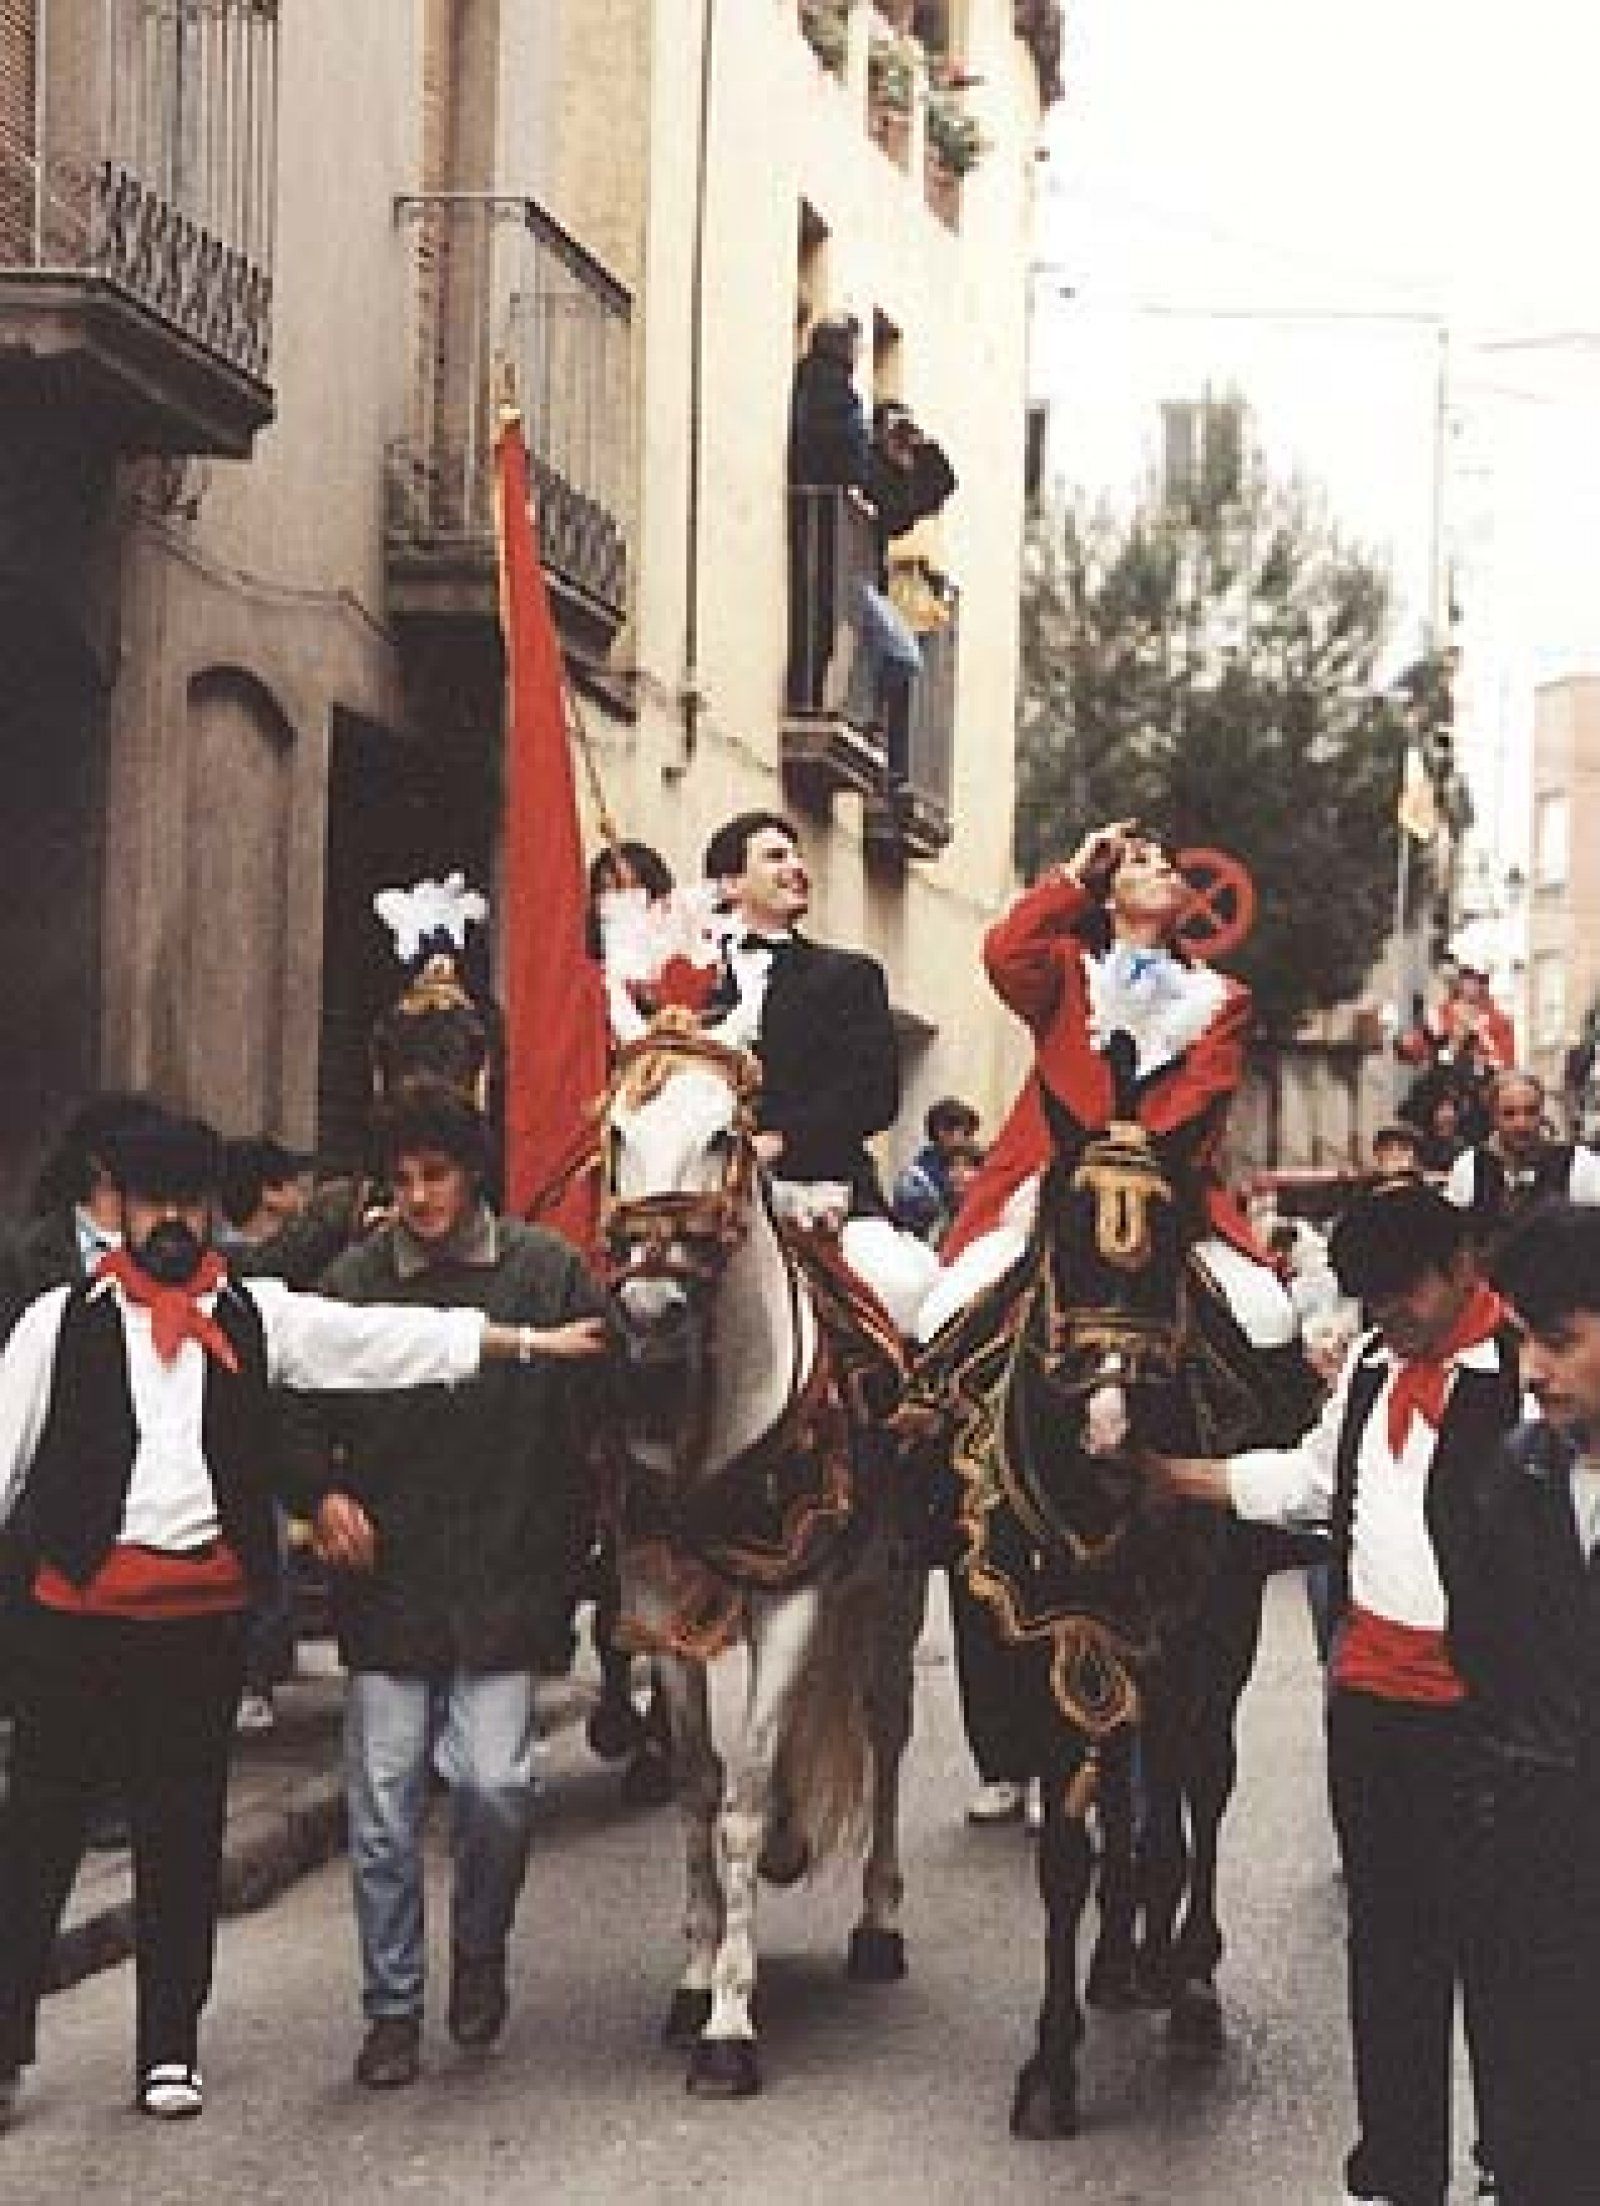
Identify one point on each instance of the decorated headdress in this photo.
(436, 1027)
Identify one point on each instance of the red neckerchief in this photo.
(1420, 1386)
(175, 1312)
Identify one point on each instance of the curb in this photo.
(265, 1851)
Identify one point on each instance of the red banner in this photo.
(554, 995)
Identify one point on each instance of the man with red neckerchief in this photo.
(136, 1462)
(1422, 1404)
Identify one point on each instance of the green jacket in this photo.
(478, 1494)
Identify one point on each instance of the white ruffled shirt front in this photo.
(1163, 1004)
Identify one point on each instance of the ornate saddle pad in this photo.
(1064, 1550)
(782, 1511)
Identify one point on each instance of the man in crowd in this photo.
(459, 1515)
(819, 1020)
(924, 1200)
(76, 1207)
(135, 1456)
(1525, 1626)
(75, 1220)
(1396, 1149)
(1424, 1399)
(1521, 1164)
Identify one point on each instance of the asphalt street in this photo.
(873, 2094)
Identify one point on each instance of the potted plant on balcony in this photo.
(955, 145)
(891, 88)
(825, 26)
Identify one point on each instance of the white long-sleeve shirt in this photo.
(311, 1342)
(1393, 1570)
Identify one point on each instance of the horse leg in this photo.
(1111, 1981)
(1161, 1848)
(1228, 1654)
(1045, 2103)
(683, 1686)
(723, 2063)
(877, 1945)
(614, 1729)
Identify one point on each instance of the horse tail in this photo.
(824, 1765)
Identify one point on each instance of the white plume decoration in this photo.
(427, 908)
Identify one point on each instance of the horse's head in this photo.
(1110, 1210)
(679, 1173)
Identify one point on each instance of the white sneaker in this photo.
(256, 1715)
(1000, 1802)
(1033, 1812)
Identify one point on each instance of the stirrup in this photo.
(171, 2091)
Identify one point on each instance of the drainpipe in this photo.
(690, 699)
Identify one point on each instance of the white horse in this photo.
(784, 1616)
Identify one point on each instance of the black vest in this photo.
(1498, 1201)
(76, 1490)
(1483, 1407)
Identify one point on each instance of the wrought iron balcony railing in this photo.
(138, 146)
(837, 706)
(498, 282)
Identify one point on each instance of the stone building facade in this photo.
(263, 265)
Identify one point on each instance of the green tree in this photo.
(1210, 666)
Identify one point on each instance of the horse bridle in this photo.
(683, 1237)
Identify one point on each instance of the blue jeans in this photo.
(479, 1732)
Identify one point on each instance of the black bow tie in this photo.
(776, 946)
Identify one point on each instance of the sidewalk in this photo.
(285, 1813)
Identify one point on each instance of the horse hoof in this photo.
(647, 1780)
(724, 2068)
(687, 2017)
(614, 1731)
(1195, 2021)
(876, 1956)
(785, 1855)
(1045, 2104)
(1112, 1983)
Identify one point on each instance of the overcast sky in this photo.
(1381, 156)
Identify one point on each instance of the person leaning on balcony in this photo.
(909, 477)
(136, 1456)
(829, 452)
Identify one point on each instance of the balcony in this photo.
(498, 285)
(833, 738)
(137, 178)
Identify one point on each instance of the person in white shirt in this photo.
(136, 1461)
(1425, 1398)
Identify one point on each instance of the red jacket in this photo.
(1035, 960)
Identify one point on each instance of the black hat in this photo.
(165, 1159)
(1392, 1236)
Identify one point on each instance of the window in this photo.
(1550, 1000)
(1551, 830)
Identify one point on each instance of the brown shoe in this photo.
(479, 2001)
(391, 2053)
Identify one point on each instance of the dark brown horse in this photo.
(1107, 1335)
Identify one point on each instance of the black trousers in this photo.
(1402, 1782)
(992, 1704)
(148, 1708)
(1538, 1912)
